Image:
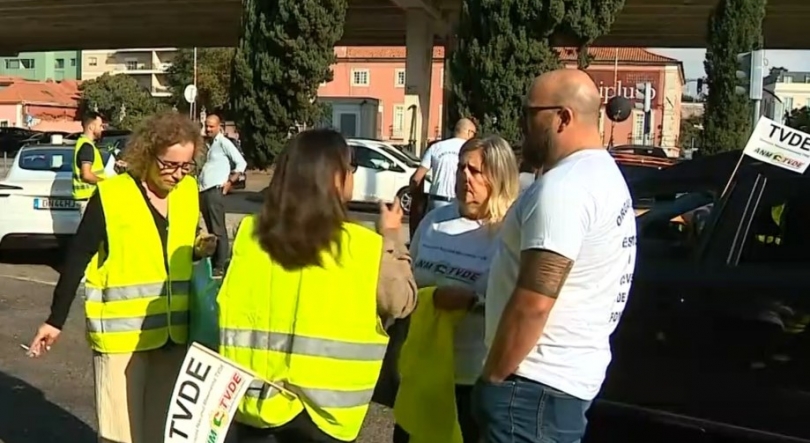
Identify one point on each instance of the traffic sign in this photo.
(190, 93)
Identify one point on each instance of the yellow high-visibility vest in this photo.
(82, 190)
(137, 297)
(426, 403)
(314, 332)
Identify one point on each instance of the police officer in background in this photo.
(88, 166)
(136, 244)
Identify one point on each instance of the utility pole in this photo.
(644, 92)
(750, 75)
(193, 107)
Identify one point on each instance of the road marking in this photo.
(28, 279)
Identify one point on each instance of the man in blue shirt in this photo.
(221, 170)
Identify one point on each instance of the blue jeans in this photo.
(519, 410)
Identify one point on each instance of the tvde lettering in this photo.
(444, 269)
(779, 158)
(188, 395)
(790, 137)
(220, 417)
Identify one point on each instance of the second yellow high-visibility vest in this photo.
(314, 332)
(81, 189)
(137, 296)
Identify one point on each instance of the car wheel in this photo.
(405, 200)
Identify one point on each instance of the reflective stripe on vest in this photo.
(131, 302)
(315, 347)
(81, 189)
(325, 353)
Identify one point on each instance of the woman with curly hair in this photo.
(136, 244)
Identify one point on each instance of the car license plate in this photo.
(56, 204)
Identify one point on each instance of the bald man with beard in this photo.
(561, 274)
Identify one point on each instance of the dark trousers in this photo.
(212, 206)
(519, 410)
(466, 419)
(300, 430)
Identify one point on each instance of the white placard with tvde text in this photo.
(205, 397)
(779, 145)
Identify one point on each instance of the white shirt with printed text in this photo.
(582, 210)
(448, 249)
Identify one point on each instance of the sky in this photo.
(693, 61)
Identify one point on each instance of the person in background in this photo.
(223, 165)
(136, 243)
(88, 165)
(561, 273)
(452, 250)
(441, 160)
(305, 298)
(528, 173)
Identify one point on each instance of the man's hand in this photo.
(43, 340)
(205, 245)
(452, 298)
(226, 187)
(390, 216)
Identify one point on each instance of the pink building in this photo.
(379, 73)
(46, 106)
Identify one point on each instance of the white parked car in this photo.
(383, 172)
(36, 196)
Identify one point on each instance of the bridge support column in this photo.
(418, 74)
(450, 45)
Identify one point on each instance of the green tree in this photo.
(504, 44)
(799, 119)
(120, 100)
(690, 132)
(285, 51)
(735, 26)
(213, 77)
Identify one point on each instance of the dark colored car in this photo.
(713, 345)
(12, 139)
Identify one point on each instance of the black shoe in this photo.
(218, 273)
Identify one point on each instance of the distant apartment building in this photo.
(378, 73)
(41, 66)
(146, 65)
(784, 92)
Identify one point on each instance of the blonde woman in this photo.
(452, 249)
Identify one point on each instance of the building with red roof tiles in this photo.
(39, 105)
(378, 73)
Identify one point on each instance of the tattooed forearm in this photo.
(543, 272)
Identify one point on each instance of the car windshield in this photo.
(403, 156)
(53, 160)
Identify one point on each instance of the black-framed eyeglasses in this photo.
(172, 167)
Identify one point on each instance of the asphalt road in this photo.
(51, 399)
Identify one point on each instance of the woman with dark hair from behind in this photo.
(305, 298)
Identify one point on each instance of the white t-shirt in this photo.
(580, 209)
(448, 249)
(441, 160)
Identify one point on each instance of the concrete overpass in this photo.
(27, 25)
(31, 25)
